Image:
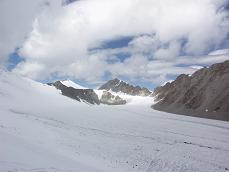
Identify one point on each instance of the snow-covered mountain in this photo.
(116, 94)
(202, 94)
(41, 130)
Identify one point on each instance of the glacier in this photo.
(43, 131)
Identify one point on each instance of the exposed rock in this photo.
(85, 95)
(204, 94)
(88, 95)
(110, 99)
(117, 85)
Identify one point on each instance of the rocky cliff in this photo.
(204, 94)
(110, 99)
(85, 95)
(117, 85)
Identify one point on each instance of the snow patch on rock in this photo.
(70, 83)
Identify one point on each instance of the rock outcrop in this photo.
(88, 95)
(85, 95)
(110, 99)
(117, 85)
(204, 94)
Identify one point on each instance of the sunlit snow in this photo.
(41, 130)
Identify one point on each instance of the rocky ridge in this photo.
(85, 95)
(117, 85)
(110, 99)
(204, 94)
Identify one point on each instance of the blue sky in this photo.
(13, 60)
(116, 43)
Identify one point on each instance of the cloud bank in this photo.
(16, 18)
(168, 38)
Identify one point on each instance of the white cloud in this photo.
(62, 37)
(16, 18)
(169, 52)
(31, 69)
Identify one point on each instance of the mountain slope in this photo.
(41, 130)
(85, 95)
(117, 85)
(110, 99)
(204, 94)
(81, 94)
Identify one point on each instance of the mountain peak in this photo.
(116, 79)
(118, 85)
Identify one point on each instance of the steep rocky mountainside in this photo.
(205, 93)
(110, 99)
(117, 85)
(85, 95)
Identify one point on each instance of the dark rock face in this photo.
(117, 85)
(204, 94)
(110, 99)
(85, 95)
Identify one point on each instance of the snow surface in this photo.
(70, 83)
(99, 93)
(167, 82)
(43, 131)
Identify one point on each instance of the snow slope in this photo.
(70, 83)
(146, 100)
(41, 130)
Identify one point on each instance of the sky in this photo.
(144, 42)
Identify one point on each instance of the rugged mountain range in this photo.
(117, 85)
(205, 93)
(81, 94)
